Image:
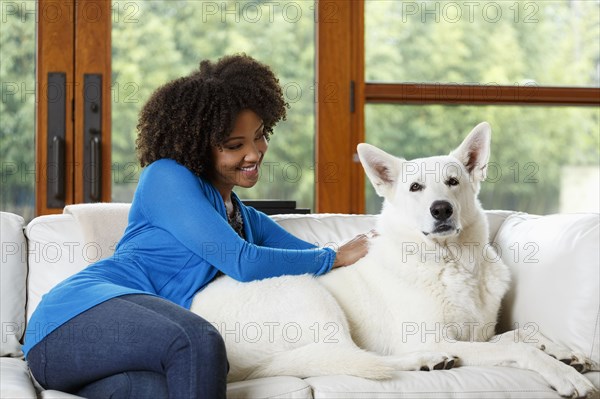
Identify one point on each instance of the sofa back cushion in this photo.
(555, 267)
(57, 250)
(326, 230)
(13, 275)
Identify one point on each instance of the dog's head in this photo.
(437, 195)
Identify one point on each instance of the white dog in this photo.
(426, 296)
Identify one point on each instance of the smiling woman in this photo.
(237, 160)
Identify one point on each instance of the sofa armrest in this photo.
(555, 267)
(13, 276)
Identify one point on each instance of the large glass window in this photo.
(17, 107)
(156, 41)
(545, 43)
(543, 159)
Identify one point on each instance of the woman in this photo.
(121, 327)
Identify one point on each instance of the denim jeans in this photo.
(133, 346)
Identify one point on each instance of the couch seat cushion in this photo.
(463, 382)
(51, 394)
(272, 387)
(15, 382)
(262, 388)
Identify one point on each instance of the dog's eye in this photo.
(452, 182)
(415, 187)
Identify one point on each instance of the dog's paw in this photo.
(578, 361)
(581, 363)
(437, 361)
(569, 383)
(424, 361)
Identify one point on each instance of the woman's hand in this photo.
(353, 250)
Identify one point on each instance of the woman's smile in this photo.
(237, 160)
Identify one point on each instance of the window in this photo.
(543, 159)
(17, 108)
(531, 69)
(154, 42)
(514, 43)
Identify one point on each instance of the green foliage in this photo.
(17, 108)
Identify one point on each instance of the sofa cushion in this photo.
(56, 251)
(102, 224)
(15, 381)
(272, 387)
(555, 266)
(326, 229)
(461, 382)
(13, 275)
(262, 388)
(332, 229)
(52, 394)
(495, 221)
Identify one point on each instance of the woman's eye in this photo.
(452, 182)
(415, 187)
(235, 147)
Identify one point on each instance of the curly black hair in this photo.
(188, 116)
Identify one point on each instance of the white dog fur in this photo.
(427, 295)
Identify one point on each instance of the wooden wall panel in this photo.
(357, 28)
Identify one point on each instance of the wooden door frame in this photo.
(339, 178)
(54, 53)
(93, 27)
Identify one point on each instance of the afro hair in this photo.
(185, 118)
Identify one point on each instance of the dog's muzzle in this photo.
(441, 212)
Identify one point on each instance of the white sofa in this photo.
(556, 288)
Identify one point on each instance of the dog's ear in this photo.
(381, 168)
(474, 152)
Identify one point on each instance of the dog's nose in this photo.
(441, 210)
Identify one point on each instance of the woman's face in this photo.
(237, 160)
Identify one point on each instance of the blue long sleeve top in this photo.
(176, 241)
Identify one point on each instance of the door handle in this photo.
(96, 165)
(92, 125)
(55, 139)
(57, 157)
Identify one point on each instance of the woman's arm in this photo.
(271, 234)
(174, 199)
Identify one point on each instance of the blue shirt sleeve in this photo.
(191, 210)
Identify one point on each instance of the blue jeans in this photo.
(133, 346)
